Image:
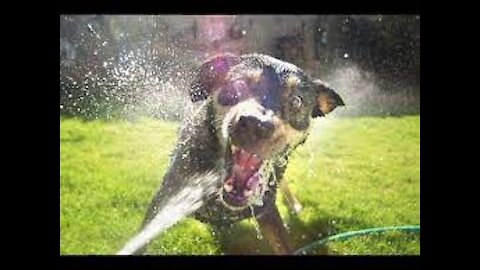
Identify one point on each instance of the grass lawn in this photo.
(351, 174)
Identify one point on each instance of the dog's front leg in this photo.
(292, 202)
(272, 228)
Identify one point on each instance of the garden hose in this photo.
(346, 235)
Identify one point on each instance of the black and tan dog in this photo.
(253, 111)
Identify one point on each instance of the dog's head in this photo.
(263, 107)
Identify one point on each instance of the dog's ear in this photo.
(326, 99)
(211, 74)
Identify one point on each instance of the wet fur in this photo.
(201, 147)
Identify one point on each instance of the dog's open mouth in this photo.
(242, 185)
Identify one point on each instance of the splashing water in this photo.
(110, 68)
(255, 224)
(179, 205)
(364, 92)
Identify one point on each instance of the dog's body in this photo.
(254, 111)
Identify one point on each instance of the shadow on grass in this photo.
(74, 139)
(242, 238)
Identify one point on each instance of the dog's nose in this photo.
(255, 127)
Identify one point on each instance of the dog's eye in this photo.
(296, 102)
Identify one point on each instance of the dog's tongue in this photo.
(245, 165)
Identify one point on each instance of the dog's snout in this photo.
(258, 128)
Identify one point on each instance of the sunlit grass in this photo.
(351, 174)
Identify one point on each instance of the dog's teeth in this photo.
(230, 180)
(247, 192)
(228, 187)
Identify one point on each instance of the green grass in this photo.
(351, 174)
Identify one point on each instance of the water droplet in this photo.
(256, 225)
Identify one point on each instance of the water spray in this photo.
(178, 206)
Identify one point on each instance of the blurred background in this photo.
(128, 65)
